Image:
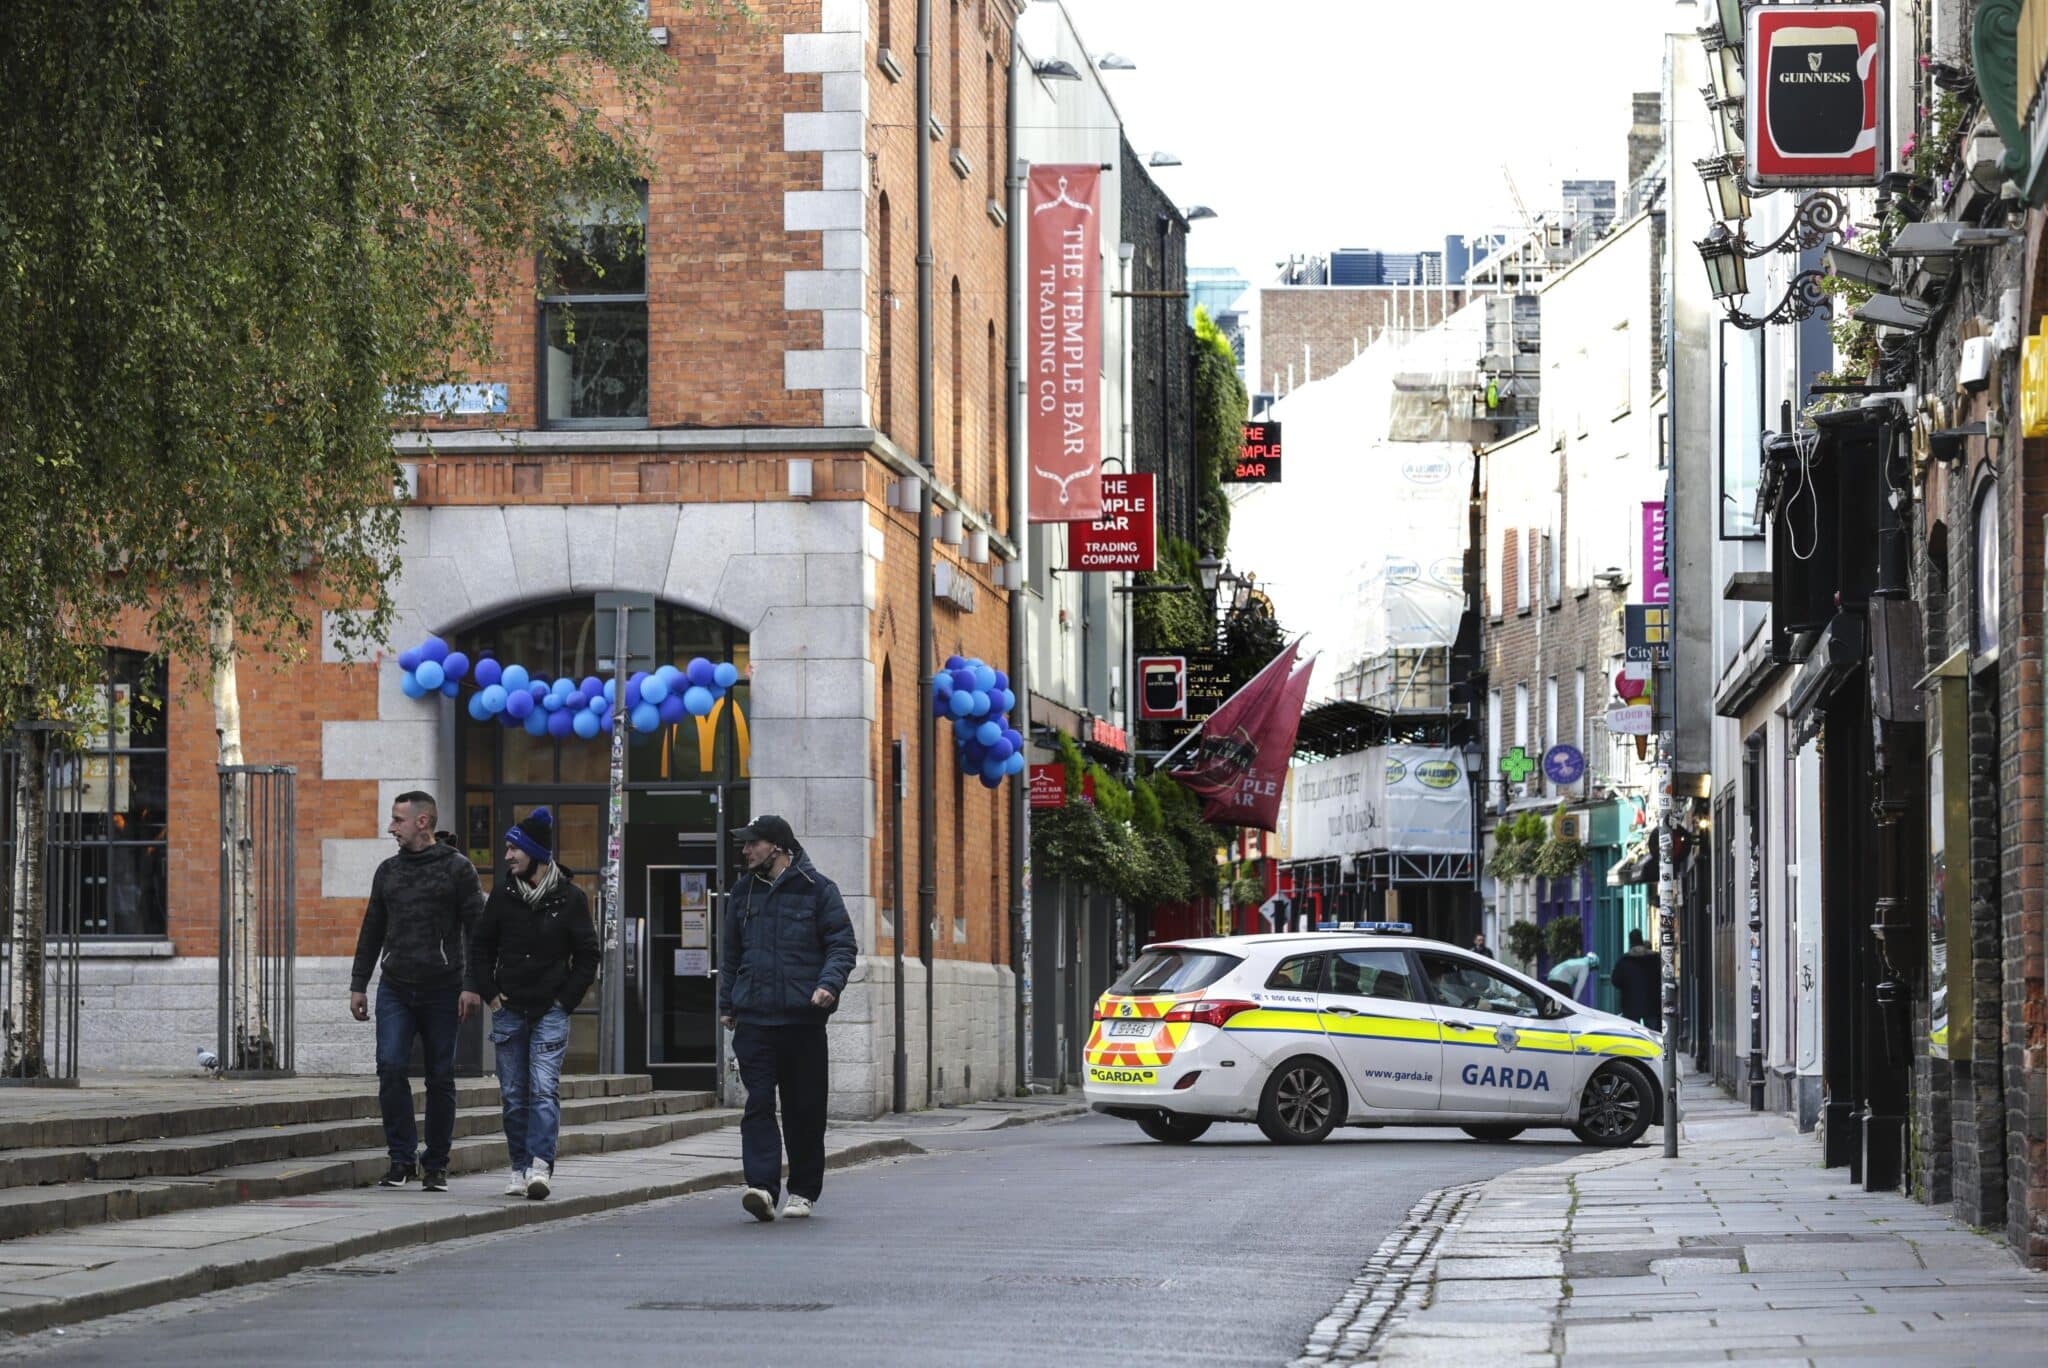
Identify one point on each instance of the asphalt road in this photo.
(1069, 1243)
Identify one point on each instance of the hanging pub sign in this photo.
(1814, 95)
(1063, 344)
(1126, 536)
(1258, 455)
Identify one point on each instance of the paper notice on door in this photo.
(696, 930)
(693, 964)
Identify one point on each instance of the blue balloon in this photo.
(410, 686)
(488, 672)
(585, 724)
(536, 722)
(984, 679)
(559, 724)
(633, 687)
(672, 710)
(725, 674)
(551, 701)
(653, 689)
(963, 728)
(670, 675)
(540, 689)
(698, 700)
(456, 665)
(434, 649)
(646, 718)
(954, 662)
(988, 733)
(515, 678)
(599, 703)
(963, 681)
(982, 703)
(409, 659)
(972, 754)
(1009, 701)
(1002, 680)
(493, 697)
(477, 711)
(942, 683)
(591, 685)
(1001, 748)
(519, 705)
(1014, 737)
(1015, 764)
(578, 700)
(429, 674)
(450, 687)
(611, 689)
(991, 781)
(961, 703)
(604, 724)
(701, 672)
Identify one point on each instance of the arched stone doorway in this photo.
(686, 787)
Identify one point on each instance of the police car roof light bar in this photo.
(1378, 928)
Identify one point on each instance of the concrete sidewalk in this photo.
(1743, 1248)
(68, 1276)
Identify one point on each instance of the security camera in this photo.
(1611, 577)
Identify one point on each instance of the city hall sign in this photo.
(1813, 107)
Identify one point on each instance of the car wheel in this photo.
(1615, 1109)
(1302, 1103)
(1493, 1135)
(1175, 1130)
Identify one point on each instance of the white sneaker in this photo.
(516, 1185)
(796, 1208)
(758, 1203)
(537, 1179)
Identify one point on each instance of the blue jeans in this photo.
(529, 1050)
(403, 1012)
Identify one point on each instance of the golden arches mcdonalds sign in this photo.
(1813, 102)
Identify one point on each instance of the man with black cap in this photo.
(533, 958)
(788, 949)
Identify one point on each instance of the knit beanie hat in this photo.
(535, 834)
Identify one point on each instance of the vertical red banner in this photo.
(1063, 344)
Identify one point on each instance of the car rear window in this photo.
(1174, 971)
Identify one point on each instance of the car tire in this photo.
(1302, 1103)
(1616, 1107)
(1175, 1130)
(1493, 1135)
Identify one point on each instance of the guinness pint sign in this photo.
(1814, 107)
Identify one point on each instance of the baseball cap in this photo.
(770, 828)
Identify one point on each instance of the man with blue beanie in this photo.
(533, 957)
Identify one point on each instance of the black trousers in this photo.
(791, 1061)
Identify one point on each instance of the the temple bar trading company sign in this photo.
(1126, 536)
(1814, 95)
(1258, 455)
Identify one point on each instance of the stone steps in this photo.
(286, 1106)
(479, 1147)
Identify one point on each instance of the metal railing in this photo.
(40, 825)
(258, 919)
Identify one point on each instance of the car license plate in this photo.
(1139, 1030)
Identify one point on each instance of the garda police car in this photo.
(1360, 1025)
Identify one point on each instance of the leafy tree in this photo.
(1220, 407)
(236, 242)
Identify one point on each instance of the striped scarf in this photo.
(533, 893)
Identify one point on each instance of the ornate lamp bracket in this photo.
(1803, 299)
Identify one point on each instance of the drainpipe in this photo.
(1020, 599)
(927, 756)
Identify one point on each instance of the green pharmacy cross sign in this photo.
(1517, 765)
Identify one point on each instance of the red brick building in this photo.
(713, 443)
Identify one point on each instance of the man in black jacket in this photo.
(533, 958)
(423, 901)
(1639, 980)
(787, 952)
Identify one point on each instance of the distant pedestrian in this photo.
(423, 902)
(533, 958)
(1569, 976)
(1639, 979)
(1480, 947)
(788, 950)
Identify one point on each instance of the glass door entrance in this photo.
(678, 863)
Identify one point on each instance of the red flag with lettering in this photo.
(1063, 344)
(1238, 765)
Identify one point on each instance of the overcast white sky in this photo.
(1312, 124)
